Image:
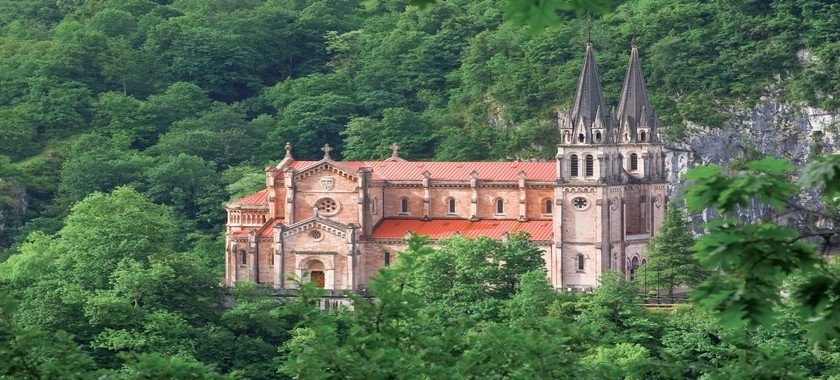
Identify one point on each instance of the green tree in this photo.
(670, 255)
(105, 229)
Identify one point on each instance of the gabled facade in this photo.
(338, 222)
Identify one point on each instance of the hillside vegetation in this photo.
(188, 100)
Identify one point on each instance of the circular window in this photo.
(315, 234)
(580, 203)
(327, 206)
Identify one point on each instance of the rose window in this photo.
(315, 234)
(580, 203)
(327, 206)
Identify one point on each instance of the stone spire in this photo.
(589, 107)
(634, 110)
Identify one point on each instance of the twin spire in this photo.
(590, 121)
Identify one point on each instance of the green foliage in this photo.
(670, 254)
(755, 259)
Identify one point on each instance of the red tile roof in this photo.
(449, 171)
(258, 198)
(442, 228)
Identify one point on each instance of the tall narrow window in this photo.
(581, 137)
(450, 203)
(500, 206)
(634, 162)
(580, 262)
(574, 162)
(642, 136)
(244, 259)
(590, 165)
(387, 259)
(548, 206)
(404, 205)
(597, 136)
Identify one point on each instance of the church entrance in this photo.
(316, 273)
(317, 276)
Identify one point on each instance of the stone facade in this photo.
(593, 209)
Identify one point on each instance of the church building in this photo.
(593, 209)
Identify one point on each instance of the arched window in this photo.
(387, 259)
(548, 206)
(243, 257)
(642, 136)
(450, 204)
(590, 165)
(581, 137)
(404, 205)
(574, 162)
(598, 136)
(500, 206)
(580, 262)
(634, 162)
(644, 261)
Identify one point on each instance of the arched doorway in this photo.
(634, 264)
(316, 273)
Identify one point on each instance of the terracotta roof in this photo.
(449, 171)
(442, 228)
(258, 198)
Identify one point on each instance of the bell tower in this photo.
(610, 186)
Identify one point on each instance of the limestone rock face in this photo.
(768, 129)
(12, 202)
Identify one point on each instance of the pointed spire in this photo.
(589, 98)
(634, 105)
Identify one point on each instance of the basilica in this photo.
(592, 209)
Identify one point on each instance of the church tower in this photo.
(610, 179)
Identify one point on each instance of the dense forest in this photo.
(125, 125)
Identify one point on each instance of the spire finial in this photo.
(633, 41)
(394, 148)
(326, 149)
(288, 149)
(589, 31)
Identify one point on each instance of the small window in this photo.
(500, 206)
(243, 257)
(580, 262)
(634, 162)
(404, 205)
(271, 259)
(548, 206)
(387, 259)
(450, 204)
(581, 137)
(598, 136)
(373, 207)
(642, 136)
(590, 165)
(574, 162)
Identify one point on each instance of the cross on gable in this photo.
(394, 148)
(288, 149)
(326, 149)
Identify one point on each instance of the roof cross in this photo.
(288, 149)
(394, 148)
(326, 149)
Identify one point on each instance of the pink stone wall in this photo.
(392, 196)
